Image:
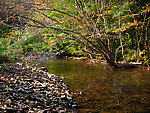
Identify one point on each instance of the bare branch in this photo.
(53, 9)
(58, 29)
(91, 53)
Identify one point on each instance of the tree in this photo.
(101, 27)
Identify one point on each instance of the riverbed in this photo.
(100, 90)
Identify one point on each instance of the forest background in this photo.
(112, 30)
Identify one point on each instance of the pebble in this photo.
(32, 90)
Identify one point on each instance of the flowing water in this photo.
(104, 91)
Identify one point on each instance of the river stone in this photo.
(29, 89)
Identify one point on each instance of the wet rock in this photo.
(8, 101)
(43, 69)
(25, 91)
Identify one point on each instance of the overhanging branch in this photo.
(58, 29)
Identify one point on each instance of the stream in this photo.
(99, 90)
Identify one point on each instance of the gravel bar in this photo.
(31, 90)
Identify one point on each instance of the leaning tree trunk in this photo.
(109, 58)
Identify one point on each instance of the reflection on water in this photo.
(104, 91)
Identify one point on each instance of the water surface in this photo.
(104, 91)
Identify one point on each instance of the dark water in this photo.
(104, 91)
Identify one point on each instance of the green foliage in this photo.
(131, 56)
(110, 29)
(4, 30)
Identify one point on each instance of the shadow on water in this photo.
(102, 90)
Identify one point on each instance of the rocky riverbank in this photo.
(30, 90)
